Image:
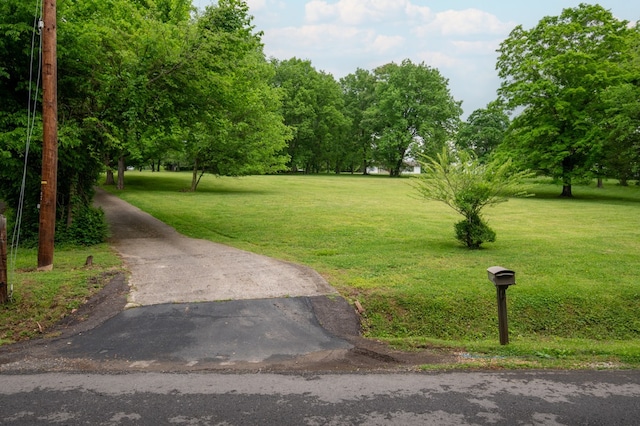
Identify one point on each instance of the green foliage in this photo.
(359, 94)
(87, 228)
(138, 81)
(229, 118)
(412, 114)
(313, 107)
(461, 181)
(484, 131)
(556, 74)
(621, 108)
(473, 232)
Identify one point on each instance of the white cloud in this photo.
(256, 4)
(476, 47)
(419, 13)
(439, 59)
(320, 37)
(316, 11)
(356, 12)
(465, 22)
(383, 44)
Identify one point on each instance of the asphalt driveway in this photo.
(192, 305)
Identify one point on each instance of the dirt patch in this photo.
(106, 303)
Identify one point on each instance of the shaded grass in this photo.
(576, 260)
(41, 299)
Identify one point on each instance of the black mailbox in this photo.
(501, 276)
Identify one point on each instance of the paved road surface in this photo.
(458, 398)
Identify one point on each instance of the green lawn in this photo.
(577, 261)
(41, 299)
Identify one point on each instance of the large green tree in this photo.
(78, 161)
(621, 118)
(359, 93)
(554, 76)
(313, 107)
(230, 120)
(483, 131)
(413, 112)
(16, 29)
(130, 51)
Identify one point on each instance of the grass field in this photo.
(577, 298)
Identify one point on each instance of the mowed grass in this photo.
(42, 299)
(577, 261)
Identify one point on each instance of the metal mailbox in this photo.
(501, 276)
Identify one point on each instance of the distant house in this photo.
(411, 167)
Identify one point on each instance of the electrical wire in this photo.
(31, 120)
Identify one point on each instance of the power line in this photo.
(31, 121)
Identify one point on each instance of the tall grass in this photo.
(576, 260)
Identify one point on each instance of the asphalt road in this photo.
(445, 398)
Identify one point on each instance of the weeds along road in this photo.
(443, 398)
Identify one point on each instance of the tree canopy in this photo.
(313, 107)
(483, 131)
(412, 112)
(138, 81)
(358, 90)
(555, 75)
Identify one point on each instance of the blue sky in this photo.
(458, 37)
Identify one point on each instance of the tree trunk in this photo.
(194, 176)
(567, 168)
(397, 170)
(600, 184)
(69, 201)
(120, 184)
(109, 180)
(4, 294)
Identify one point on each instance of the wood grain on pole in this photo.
(49, 139)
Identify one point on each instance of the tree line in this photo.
(145, 82)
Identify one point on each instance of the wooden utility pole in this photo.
(49, 138)
(4, 294)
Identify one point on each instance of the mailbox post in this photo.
(502, 278)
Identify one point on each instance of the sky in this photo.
(458, 37)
